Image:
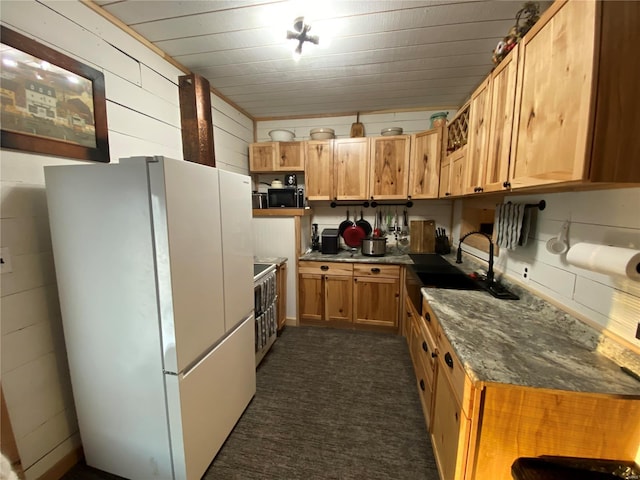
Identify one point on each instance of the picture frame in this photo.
(49, 102)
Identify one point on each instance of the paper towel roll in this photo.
(605, 259)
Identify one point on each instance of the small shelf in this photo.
(282, 212)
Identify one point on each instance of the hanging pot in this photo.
(353, 236)
(366, 226)
(344, 225)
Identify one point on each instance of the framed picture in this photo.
(50, 103)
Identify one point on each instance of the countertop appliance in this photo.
(265, 307)
(154, 263)
(259, 200)
(285, 197)
(330, 241)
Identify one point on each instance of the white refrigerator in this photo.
(154, 265)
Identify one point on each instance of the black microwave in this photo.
(285, 197)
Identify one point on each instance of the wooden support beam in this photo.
(196, 120)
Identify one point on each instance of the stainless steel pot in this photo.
(374, 246)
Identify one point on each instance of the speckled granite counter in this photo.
(393, 256)
(529, 342)
(274, 260)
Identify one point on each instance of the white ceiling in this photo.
(383, 54)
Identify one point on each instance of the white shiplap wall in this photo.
(607, 217)
(143, 117)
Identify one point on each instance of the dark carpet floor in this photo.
(330, 404)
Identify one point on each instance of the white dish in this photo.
(322, 133)
(391, 131)
(281, 135)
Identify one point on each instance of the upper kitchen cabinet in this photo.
(478, 136)
(276, 157)
(389, 167)
(502, 85)
(351, 168)
(318, 169)
(576, 66)
(452, 167)
(424, 167)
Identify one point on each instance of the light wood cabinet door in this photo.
(449, 431)
(351, 161)
(389, 167)
(318, 171)
(444, 190)
(325, 292)
(289, 157)
(376, 301)
(262, 156)
(458, 165)
(338, 298)
(424, 167)
(311, 297)
(479, 121)
(553, 98)
(276, 157)
(503, 92)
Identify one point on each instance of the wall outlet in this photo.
(525, 274)
(638, 331)
(5, 260)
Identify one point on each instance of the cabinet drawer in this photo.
(325, 268)
(451, 367)
(430, 319)
(428, 346)
(376, 270)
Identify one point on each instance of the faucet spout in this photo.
(490, 274)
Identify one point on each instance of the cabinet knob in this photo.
(446, 194)
(506, 184)
(427, 317)
(448, 359)
(375, 270)
(324, 268)
(434, 354)
(422, 385)
(425, 347)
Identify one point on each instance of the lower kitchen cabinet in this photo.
(422, 348)
(325, 292)
(376, 295)
(478, 429)
(450, 428)
(348, 295)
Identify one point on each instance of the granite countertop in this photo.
(393, 256)
(529, 342)
(273, 260)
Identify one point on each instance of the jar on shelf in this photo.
(438, 119)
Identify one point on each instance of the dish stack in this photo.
(391, 131)
(322, 133)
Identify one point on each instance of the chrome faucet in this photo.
(459, 253)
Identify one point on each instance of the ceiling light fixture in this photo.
(301, 34)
